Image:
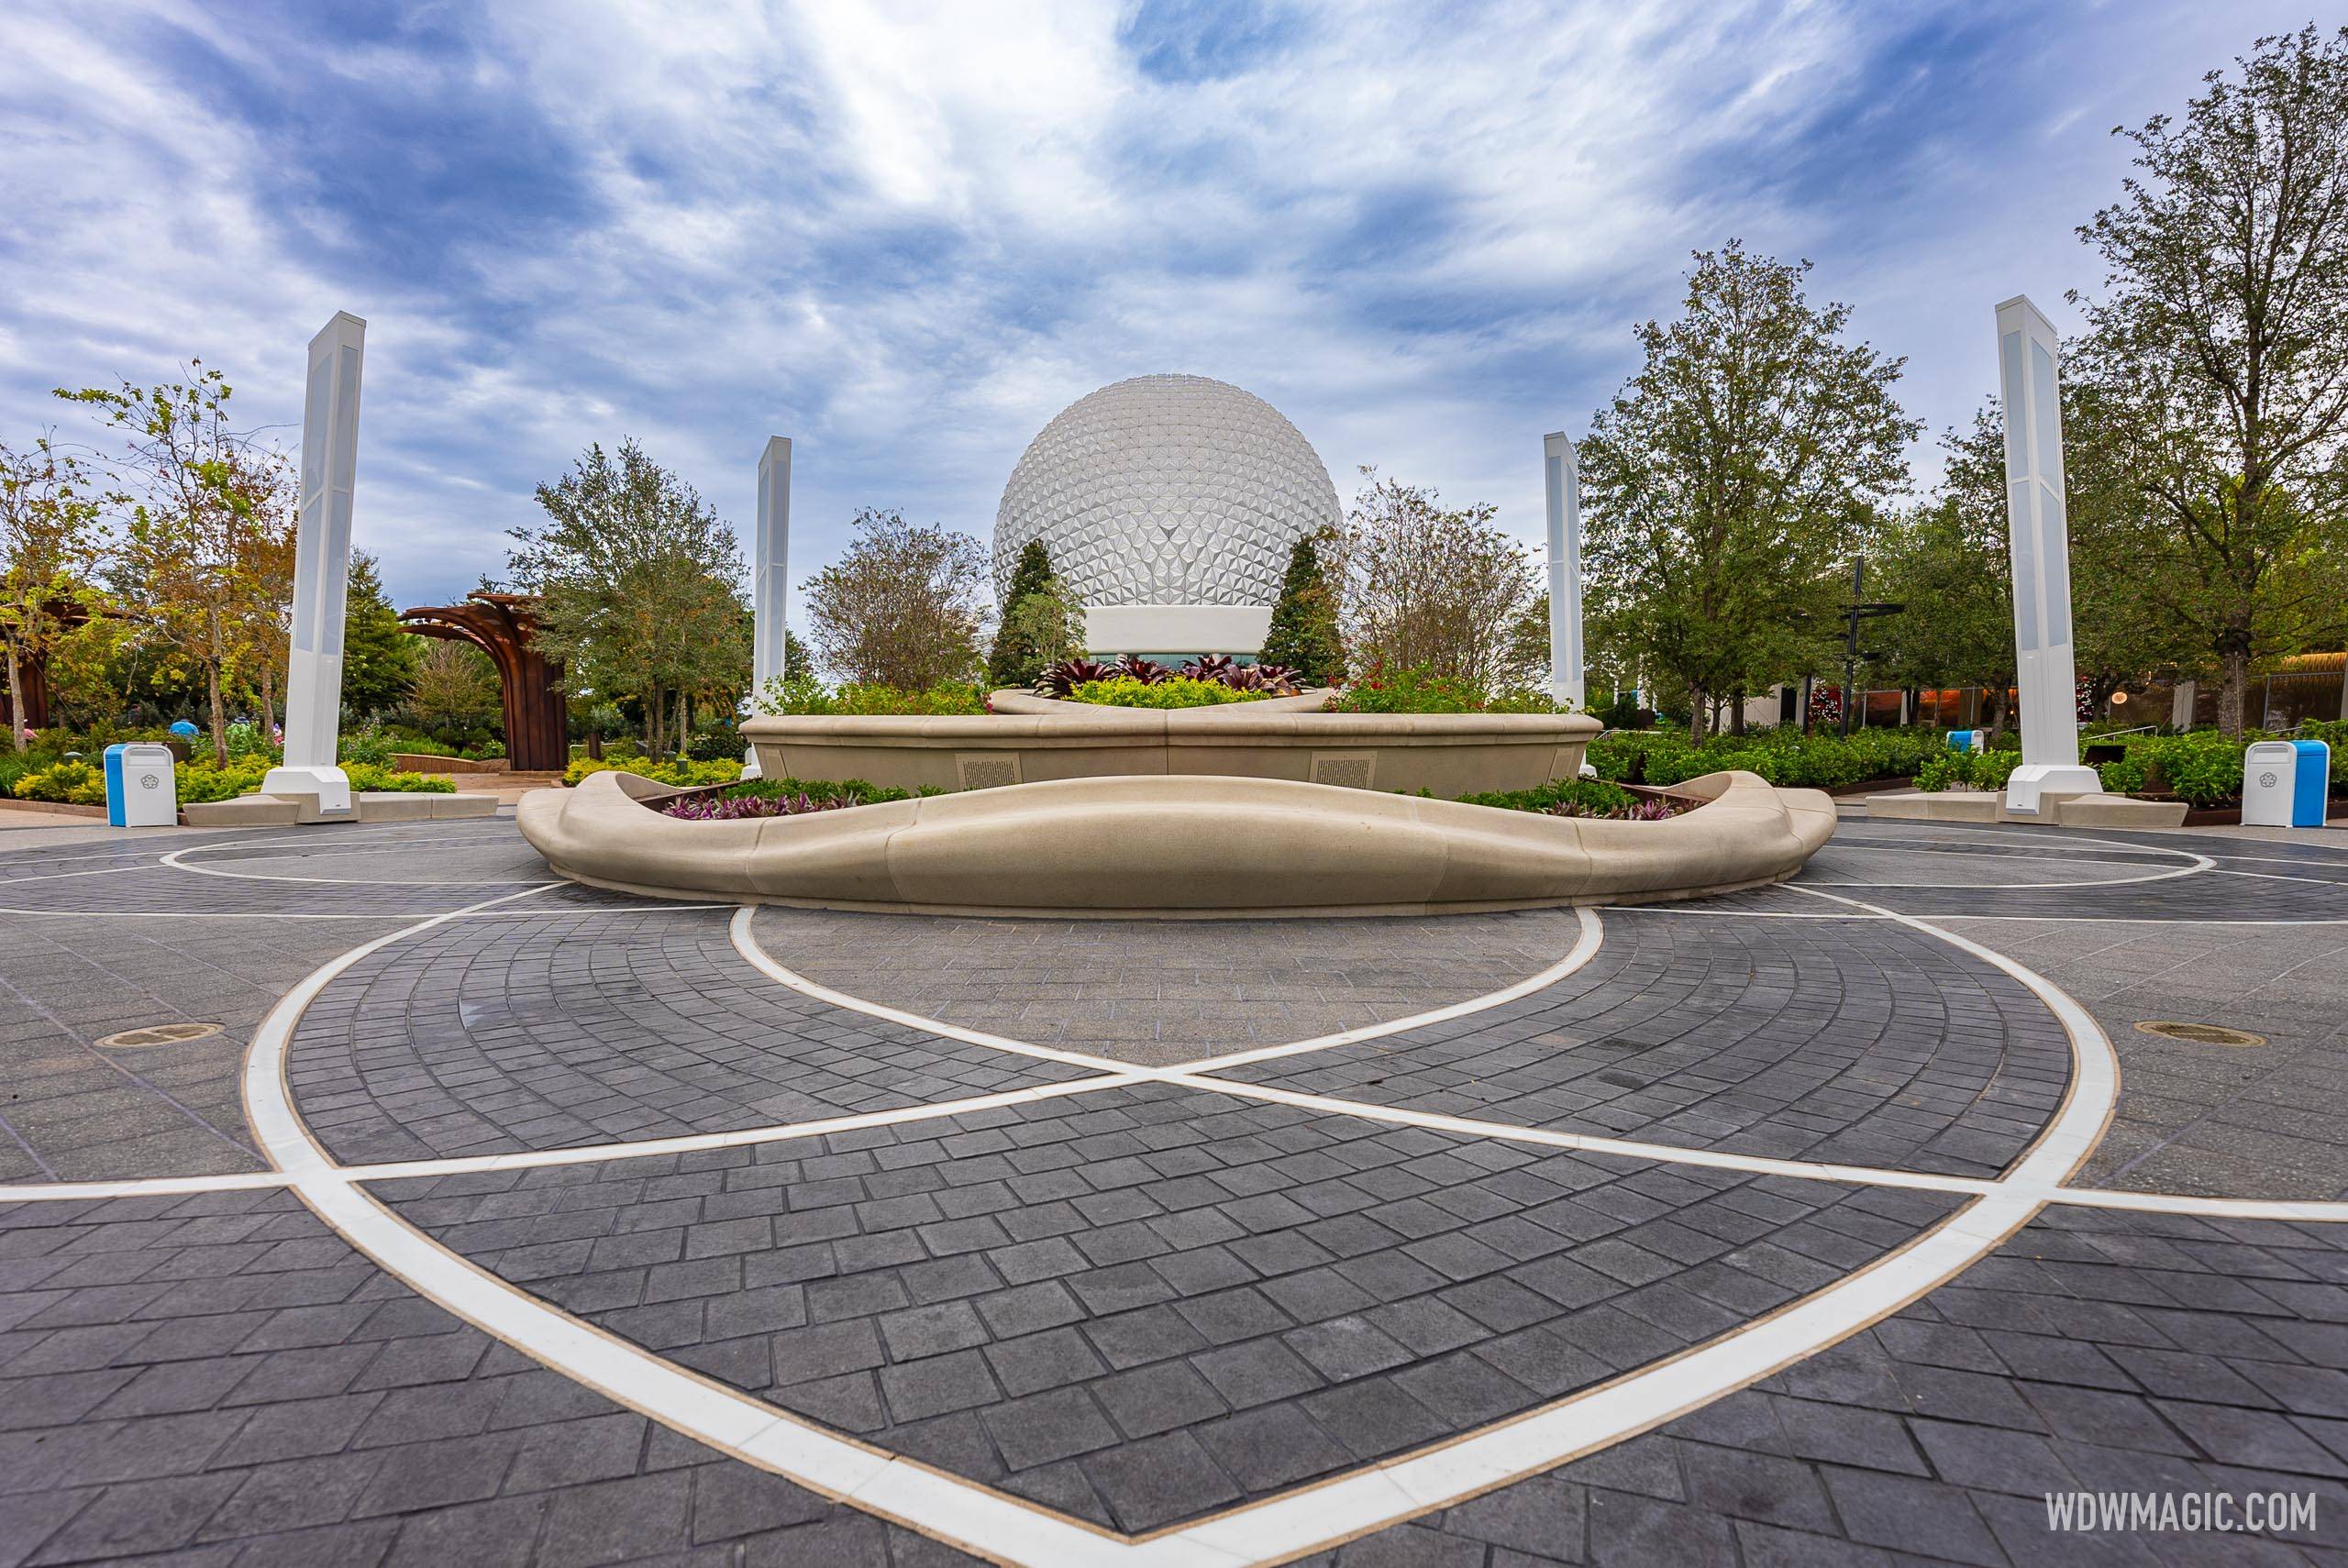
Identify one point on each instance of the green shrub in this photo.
(1175, 691)
(801, 694)
(75, 782)
(370, 745)
(1591, 797)
(200, 781)
(1783, 755)
(2126, 776)
(855, 791)
(1967, 770)
(1421, 691)
(683, 774)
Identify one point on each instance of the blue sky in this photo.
(906, 235)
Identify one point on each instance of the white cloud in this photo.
(908, 234)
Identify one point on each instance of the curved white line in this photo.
(968, 1515)
(1586, 943)
(174, 861)
(2204, 864)
(746, 943)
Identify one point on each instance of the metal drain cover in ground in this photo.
(2201, 1033)
(158, 1035)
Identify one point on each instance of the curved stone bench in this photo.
(1176, 847)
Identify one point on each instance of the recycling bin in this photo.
(141, 789)
(1965, 740)
(2270, 783)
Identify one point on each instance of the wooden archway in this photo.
(529, 685)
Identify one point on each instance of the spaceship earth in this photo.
(1165, 489)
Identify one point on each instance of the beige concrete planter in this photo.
(1030, 740)
(1179, 846)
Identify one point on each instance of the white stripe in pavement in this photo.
(1584, 949)
(2201, 863)
(693, 1143)
(1469, 1127)
(1734, 914)
(139, 1186)
(746, 943)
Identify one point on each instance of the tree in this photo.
(1729, 483)
(1303, 634)
(50, 536)
(1427, 588)
(2222, 345)
(378, 656)
(640, 586)
(455, 690)
(210, 508)
(901, 607)
(1042, 623)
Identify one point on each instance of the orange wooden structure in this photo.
(529, 684)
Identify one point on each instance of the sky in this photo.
(906, 235)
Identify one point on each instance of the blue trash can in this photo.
(2312, 785)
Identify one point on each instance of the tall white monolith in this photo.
(1565, 682)
(2029, 358)
(322, 570)
(769, 575)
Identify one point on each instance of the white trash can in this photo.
(2270, 772)
(141, 789)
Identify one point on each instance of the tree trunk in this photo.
(15, 698)
(2233, 688)
(656, 727)
(219, 716)
(1695, 715)
(595, 745)
(268, 701)
(1736, 713)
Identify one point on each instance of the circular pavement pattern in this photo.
(509, 1219)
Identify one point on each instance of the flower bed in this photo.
(1199, 683)
(1178, 691)
(780, 798)
(1585, 797)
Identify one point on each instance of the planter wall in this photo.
(1032, 740)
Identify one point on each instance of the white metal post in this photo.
(322, 570)
(1566, 685)
(770, 576)
(2029, 355)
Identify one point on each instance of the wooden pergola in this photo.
(529, 684)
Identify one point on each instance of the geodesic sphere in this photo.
(1165, 489)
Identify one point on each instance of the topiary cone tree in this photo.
(1016, 660)
(1303, 634)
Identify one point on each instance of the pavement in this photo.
(503, 1221)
